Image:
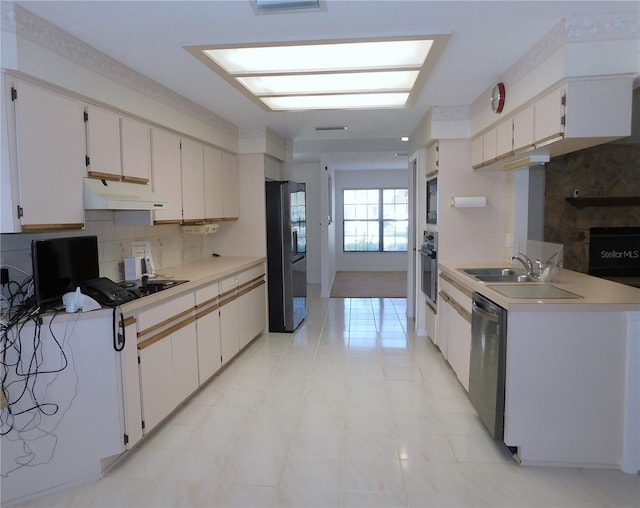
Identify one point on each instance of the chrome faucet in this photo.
(526, 262)
(544, 266)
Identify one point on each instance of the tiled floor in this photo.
(352, 410)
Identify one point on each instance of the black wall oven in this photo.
(429, 266)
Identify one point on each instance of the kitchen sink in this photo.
(505, 278)
(534, 291)
(498, 274)
(474, 272)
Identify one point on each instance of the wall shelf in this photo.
(605, 201)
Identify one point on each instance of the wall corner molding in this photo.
(56, 40)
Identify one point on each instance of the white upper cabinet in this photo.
(230, 197)
(192, 180)
(213, 189)
(489, 147)
(103, 144)
(135, 150)
(167, 181)
(577, 114)
(272, 168)
(548, 117)
(477, 152)
(118, 148)
(50, 148)
(433, 161)
(523, 129)
(504, 138)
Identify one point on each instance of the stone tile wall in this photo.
(604, 170)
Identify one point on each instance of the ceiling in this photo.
(486, 39)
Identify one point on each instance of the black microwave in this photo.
(432, 201)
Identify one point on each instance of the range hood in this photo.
(527, 161)
(108, 195)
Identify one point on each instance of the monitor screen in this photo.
(61, 264)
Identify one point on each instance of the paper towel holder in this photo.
(468, 201)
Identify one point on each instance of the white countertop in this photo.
(198, 273)
(597, 294)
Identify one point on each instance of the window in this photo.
(375, 220)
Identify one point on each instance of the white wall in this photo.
(367, 261)
(327, 228)
(311, 175)
(469, 234)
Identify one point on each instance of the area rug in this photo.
(369, 285)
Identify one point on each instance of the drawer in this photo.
(250, 274)
(206, 294)
(165, 311)
(228, 283)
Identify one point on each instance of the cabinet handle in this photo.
(464, 313)
(161, 324)
(164, 333)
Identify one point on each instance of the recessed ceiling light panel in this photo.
(322, 57)
(327, 74)
(343, 101)
(296, 84)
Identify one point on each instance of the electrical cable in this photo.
(26, 378)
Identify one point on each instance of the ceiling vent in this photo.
(333, 128)
(269, 6)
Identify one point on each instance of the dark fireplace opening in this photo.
(614, 253)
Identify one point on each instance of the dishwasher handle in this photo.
(493, 317)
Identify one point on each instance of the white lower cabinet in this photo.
(204, 330)
(168, 371)
(208, 330)
(168, 355)
(454, 327)
(229, 329)
(184, 358)
(155, 382)
(209, 348)
(132, 414)
(254, 314)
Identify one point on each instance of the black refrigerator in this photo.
(286, 254)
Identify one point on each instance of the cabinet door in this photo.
(477, 152)
(256, 306)
(131, 387)
(548, 115)
(230, 206)
(444, 309)
(272, 168)
(459, 346)
(252, 308)
(103, 144)
(51, 151)
(213, 186)
(433, 162)
(135, 151)
(209, 349)
(156, 380)
(504, 138)
(523, 129)
(167, 183)
(229, 330)
(184, 359)
(191, 156)
(489, 146)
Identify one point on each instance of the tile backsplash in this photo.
(169, 246)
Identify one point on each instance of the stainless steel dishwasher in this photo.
(488, 363)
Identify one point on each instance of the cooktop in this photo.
(148, 286)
